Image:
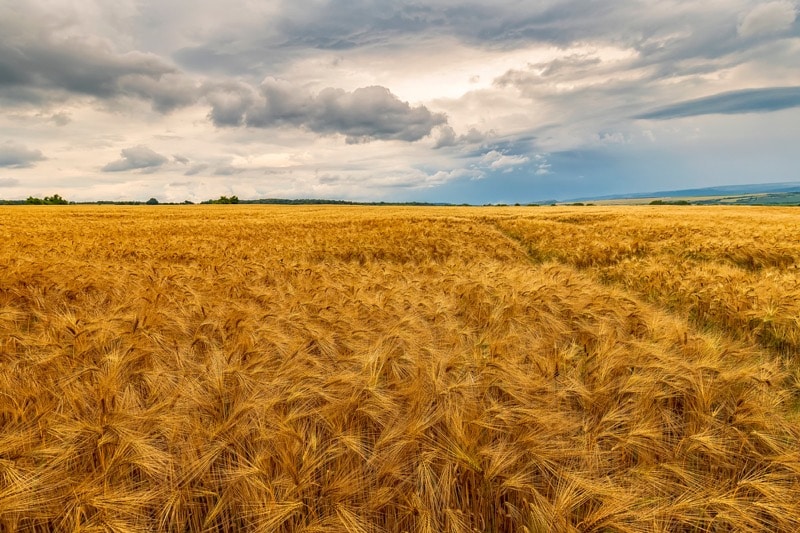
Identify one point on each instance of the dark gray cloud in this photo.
(731, 103)
(229, 102)
(447, 137)
(671, 39)
(363, 115)
(165, 93)
(13, 155)
(671, 45)
(219, 59)
(9, 182)
(343, 24)
(136, 158)
(61, 119)
(677, 47)
(196, 169)
(36, 65)
(346, 26)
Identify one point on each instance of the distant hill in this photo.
(757, 193)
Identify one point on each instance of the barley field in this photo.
(388, 369)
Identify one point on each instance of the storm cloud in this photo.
(13, 155)
(363, 115)
(136, 158)
(38, 63)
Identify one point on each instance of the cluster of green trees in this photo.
(56, 199)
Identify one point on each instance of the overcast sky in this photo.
(445, 100)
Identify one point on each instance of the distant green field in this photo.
(778, 198)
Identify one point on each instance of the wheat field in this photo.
(388, 369)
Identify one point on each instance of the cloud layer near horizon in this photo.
(450, 101)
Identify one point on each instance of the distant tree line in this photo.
(307, 201)
(320, 201)
(670, 202)
(223, 200)
(58, 200)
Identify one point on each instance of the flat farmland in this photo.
(390, 369)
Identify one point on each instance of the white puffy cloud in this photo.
(496, 160)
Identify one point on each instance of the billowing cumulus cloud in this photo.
(13, 155)
(230, 102)
(136, 158)
(363, 115)
(447, 137)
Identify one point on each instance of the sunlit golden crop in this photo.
(534, 369)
